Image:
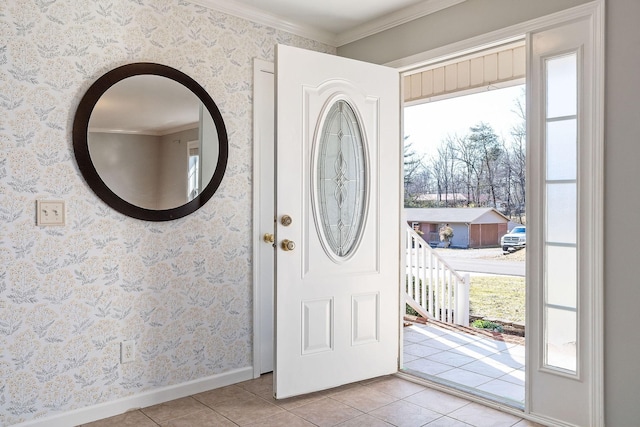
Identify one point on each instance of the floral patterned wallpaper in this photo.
(68, 295)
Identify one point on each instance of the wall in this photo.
(175, 167)
(460, 235)
(462, 21)
(622, 203)
(121, 159)
(181, 289)
(622, 127)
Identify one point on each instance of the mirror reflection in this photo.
(152, 142)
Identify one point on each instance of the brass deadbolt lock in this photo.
(286, 220)
(288, 245)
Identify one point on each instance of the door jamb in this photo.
(259, 66)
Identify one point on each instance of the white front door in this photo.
(338, 154)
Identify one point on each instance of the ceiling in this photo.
(334, 22)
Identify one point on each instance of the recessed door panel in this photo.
(317, 330)
(365, 318)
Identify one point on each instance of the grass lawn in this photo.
(500, 297)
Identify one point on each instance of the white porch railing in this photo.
(433, 288)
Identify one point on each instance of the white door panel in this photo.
(564, 214)
(337, 293)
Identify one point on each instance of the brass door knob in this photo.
(288, 245)
(268, 238)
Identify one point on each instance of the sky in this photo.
(429, 123)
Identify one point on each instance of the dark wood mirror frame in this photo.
(81, 146)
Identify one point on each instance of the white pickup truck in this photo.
(515, 239)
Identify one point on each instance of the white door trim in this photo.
(502, 36)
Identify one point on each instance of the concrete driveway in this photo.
(488, 261)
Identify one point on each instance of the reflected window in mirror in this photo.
(193, 169)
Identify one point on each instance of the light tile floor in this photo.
(384, 401)
(476, 364)
(489, 368)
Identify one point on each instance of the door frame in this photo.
(595, 12)
(260, 157)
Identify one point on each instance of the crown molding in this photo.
(394, 19)
(235, 8)
(260, 16)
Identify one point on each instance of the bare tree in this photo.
(506, 178)
(413, 168)
(486, 143)
(487, 168)
(469, 164)
(443, 167)
(519, 157)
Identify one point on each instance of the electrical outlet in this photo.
(127, 351)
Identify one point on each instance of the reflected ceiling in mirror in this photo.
(150, 142)
(145, 104)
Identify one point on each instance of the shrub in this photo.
(486, 324)
(446, 233)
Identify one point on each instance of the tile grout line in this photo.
(148, 417)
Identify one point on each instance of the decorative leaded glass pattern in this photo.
(341, 193)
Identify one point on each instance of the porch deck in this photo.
(475, 363)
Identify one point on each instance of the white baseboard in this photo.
(137, 401)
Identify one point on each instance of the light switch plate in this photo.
(50, 212)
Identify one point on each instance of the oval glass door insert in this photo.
(341, 193)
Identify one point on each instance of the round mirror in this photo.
(150, 142)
